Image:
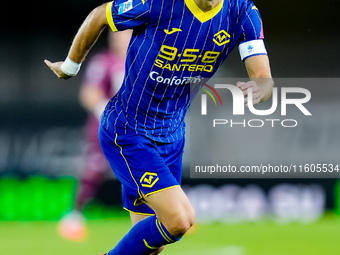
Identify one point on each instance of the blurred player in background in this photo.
(175, 44)
(103, 77)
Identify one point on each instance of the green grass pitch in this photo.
(265, 238)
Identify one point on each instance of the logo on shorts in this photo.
(148, 179)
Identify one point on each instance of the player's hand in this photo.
(56, 68)
(256, 91)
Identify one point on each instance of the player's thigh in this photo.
(173, 209)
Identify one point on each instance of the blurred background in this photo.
(42, 145)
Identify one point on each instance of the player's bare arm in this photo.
(258, 69)
(85, 38)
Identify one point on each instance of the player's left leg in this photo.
(139, 164)
(135, 218)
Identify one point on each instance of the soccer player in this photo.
(103, 77)
(174, 43)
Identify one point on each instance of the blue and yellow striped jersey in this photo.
(174, 43)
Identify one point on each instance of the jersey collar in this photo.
(201, 15)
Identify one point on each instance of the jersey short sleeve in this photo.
(252, 28)
(127, 14)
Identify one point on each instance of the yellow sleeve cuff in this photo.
(109, 17)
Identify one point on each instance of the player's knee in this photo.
(182, 225)
(191, 216)
(182, 222)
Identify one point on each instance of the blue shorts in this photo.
(143, 166)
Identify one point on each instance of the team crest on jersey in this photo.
(148, 179)
(221, 38)
(124, 7)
